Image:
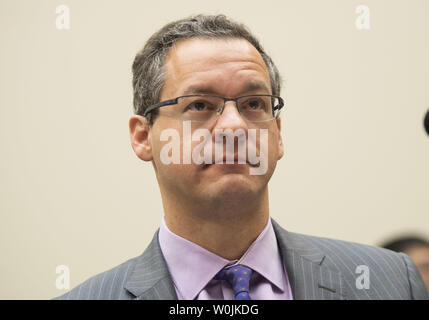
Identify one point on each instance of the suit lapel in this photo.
(310, 278)
(150, 279)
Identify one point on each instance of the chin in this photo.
(236, 187)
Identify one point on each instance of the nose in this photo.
(230, 118)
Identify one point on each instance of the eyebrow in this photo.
(250, 86)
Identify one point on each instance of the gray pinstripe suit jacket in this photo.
(318, 268)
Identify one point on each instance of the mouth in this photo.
(225, 163)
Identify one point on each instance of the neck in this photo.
(215, 228)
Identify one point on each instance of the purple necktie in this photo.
(238, 277)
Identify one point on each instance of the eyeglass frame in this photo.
(175, 101)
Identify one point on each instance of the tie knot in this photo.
(238, 277)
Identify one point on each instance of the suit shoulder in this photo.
(357, 253)
(391, 275)
(108, 285)
(345, 246)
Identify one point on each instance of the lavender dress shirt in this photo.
(193, 268)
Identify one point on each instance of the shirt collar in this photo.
(263, 256)
(193, 267)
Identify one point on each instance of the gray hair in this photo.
(148, 66)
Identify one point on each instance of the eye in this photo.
(255, 104)
(201, 105)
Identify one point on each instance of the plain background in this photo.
(72, 192)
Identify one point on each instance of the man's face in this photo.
(224, 67)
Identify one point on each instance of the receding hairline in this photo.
(174, 46)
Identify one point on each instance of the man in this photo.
(206, 98)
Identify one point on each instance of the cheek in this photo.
(273, 146)
(165, 141)
(168, 155)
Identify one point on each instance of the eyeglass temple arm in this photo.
(280, 105)
(159, 105)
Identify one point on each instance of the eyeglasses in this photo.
(204, 107)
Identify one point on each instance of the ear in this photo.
(140, 135)
(281, 149)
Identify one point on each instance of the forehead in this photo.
(225, 65)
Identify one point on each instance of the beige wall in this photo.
(73, 193)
